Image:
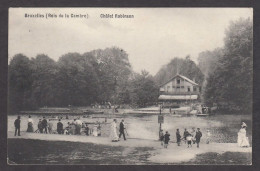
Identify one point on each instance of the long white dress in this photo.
(242, 140)
(113, 132)
(95, 132)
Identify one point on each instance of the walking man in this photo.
(44, 125)
(122, 129)
(17, 123)
(198, 136)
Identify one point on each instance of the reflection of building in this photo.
(179, 89)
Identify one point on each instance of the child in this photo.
(189, 139)
(166, 139)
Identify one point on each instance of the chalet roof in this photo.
(183, 77)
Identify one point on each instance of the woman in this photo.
(113, 132)
(30, 124)
(242, 140)
(95, 130)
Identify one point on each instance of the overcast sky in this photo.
(151, 39)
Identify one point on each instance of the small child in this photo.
(189, 139)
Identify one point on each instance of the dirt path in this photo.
(173, 154)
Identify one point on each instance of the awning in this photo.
(178, 97)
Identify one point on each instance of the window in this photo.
(173, 86)
(178, 81)
(178, 86)
(188, 88)
(182, 86)
(194, 89)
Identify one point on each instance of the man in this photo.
(40, 127)
(166, 139)
(44, 125)
(185, 134)
(17, 123)
(59, 127)
(198, 136)
(122, 129)
(87, 130)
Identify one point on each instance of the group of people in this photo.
(113, 133)
(188, 137)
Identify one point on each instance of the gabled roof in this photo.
(183, 77)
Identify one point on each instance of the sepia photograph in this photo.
(130, 86)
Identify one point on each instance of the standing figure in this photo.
(87, 130)
(59, 127)
(193, 133)
(242, 139)
(17, 124)
(78, 125)
(99, 129)
(161, 137)
(166, 139)
(189, 139)
(122, 129)
(113, 132)
(40, 127)
(208, 136)
(44, 125)
(50, 125)
(198, 136)
(185, 134)
(30, 124)
(95, 130)
(178, 137)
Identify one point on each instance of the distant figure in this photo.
(99, 130)
(161, 137)
(198, 136)
(30, 124)
(17, 124)
(113, 132)
(95, 131)
(185, 134)
(122, 129)
(67, 117)
(208, 135)
(78, 125)
(189, 139)
(44, 125)
(87, 130)
(193, 133)
(178, 137)
(166, 139)
(242, 139)
(50, 126)
(59, 127)
(40, 127)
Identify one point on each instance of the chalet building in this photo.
(179, 89)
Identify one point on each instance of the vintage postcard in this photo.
(130, 86)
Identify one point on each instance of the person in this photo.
(122, 129)
(87, 130)
(99, 129)
(166, 139)
(17, 125)
(208, 136)
(198, 136)
(189, 139)
(59, 127)
(40, 127)
(44, 125)
(242, 140)
(30, 124)
(50, 125)
(161, 137)
(95, 131)
(178, 137)
(193, 133)
(113, 132)
(78, 125)
(73, 127)
(185, 134)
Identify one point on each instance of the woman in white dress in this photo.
(242, 139)
(113, 133)
(30, 124)
(95, 131)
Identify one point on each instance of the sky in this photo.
(151, 39)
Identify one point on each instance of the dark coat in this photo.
(121, 127)
(166, 138)
(59, 126)
(198, 136)
(178, 136)
(17, 123)
(44, 123)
